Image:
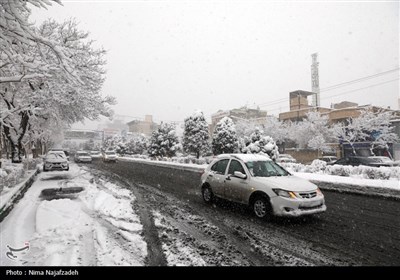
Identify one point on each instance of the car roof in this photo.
(245, 157)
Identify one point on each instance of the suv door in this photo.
(216, 177)
(235, 187)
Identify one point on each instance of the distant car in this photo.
(285, 158)
(95, 155)
(82, 156)
(55, 161)
(109, 156)
(367, 161)
(329, 159)
(262, 184)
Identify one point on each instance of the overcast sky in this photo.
(169, 58)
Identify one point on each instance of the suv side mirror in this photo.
(239, 175)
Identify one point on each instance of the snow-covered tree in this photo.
(244, 128)
(313, 132)
(195, 134)
(164, 142)
(21, 45)
(224, 139)
(138, 144)
(382, 131)
(261, 144)
(278, 130)
(56, 96)
(368, 126)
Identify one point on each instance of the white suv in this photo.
(259, 182)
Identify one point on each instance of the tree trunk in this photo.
(197, 155)
(17, 148)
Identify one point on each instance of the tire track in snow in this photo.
(155, 255)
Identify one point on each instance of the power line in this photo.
(359, 80)
(282, 100)
(350, 91)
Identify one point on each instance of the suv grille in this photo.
(308, 195)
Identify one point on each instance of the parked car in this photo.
(55, 161)
(383, 161)
(95, 155)
(109, 156)
(367, 161)
(329, 159)
(262, 184)
(286, 158)
(82, 156)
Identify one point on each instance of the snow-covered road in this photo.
(97, 226)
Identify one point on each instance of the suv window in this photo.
(235, 166)
(220, 166)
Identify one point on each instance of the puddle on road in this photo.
(59, 193)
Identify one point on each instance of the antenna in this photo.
(315, 80)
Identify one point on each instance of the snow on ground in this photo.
(390, 184)
(176, 252)
(8, 193)
(98, 226)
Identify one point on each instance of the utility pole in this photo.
(315, 80)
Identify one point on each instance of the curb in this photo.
(386, 193)
(18, 195)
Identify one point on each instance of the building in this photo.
(340, 112)
(299, 106)
(256, 116)
(146, 127)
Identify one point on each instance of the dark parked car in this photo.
(329, 159)
(368, 161)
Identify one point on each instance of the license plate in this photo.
(311, 204)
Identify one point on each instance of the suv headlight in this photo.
(286, 194)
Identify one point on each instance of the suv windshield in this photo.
(265, 169)
(110, 153)
(83, 154)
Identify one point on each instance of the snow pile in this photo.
(100, 228)
(10, 175)
(362, 172)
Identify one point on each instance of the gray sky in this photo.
(169, 58)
